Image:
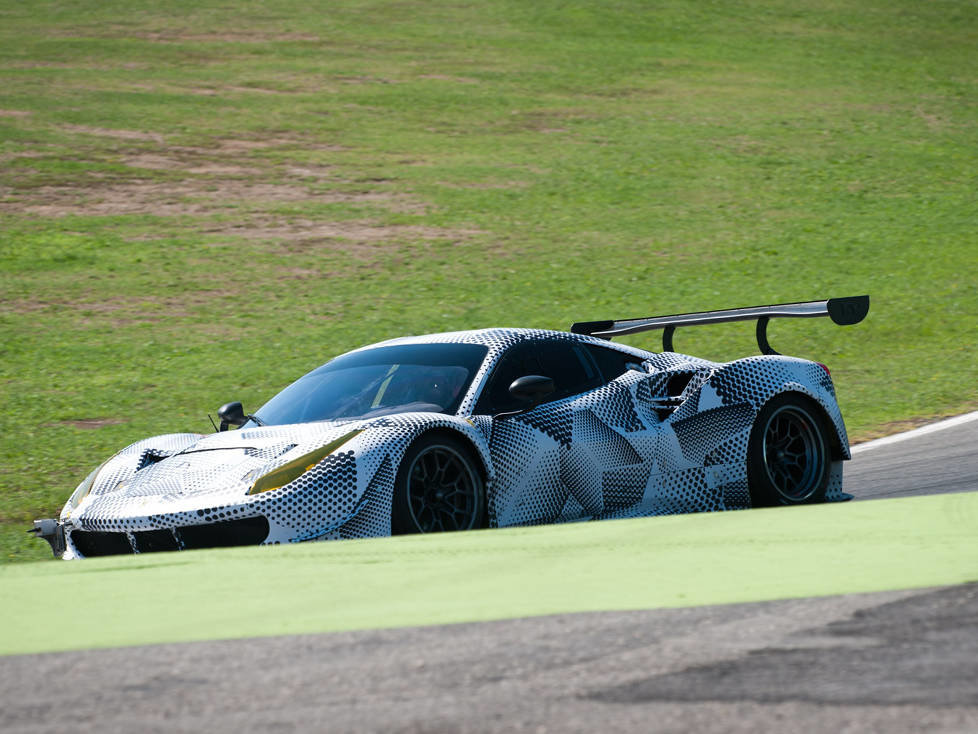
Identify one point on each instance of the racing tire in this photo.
(439, 487)
(788, 453)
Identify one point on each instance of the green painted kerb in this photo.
(390, 582)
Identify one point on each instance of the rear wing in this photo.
(842, 311)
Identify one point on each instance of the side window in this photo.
(611, 362)
(518, 361)
(569, 365)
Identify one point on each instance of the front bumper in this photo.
(69, 541)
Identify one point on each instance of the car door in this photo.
(550, 462)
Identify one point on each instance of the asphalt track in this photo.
(897, 661)
(935, 459)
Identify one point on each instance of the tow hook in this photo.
(53, 532)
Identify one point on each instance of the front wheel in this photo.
(439, 488)
(788, 453)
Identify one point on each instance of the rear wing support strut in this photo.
(842, 311)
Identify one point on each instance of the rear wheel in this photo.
(439, 488)
(788, 453)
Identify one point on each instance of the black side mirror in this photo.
(532, 389)
(231, 414)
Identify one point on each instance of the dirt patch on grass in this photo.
(155, 162)
(14, 113)
(189, 198)
(933, 121)
(486, 185)
(305, 234)
(91, 423)
(259, 90)
(122, 311)
(230, 157)
(225, 37)
(184, 35)
(232, 190)
(112, 133)
(217, 90)
(233, 145)
(363, 80)
(217, 147)
(151, 197)
(446, 78)
(309, 171)
(87, 65)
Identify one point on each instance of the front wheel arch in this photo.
(437, 474)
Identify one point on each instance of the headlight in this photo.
(85, 487)
(291, 471)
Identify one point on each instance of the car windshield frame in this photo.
(376, 381)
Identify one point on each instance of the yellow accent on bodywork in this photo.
(291, 471)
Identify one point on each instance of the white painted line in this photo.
(922, 431)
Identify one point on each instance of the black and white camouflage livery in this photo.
(668, 435)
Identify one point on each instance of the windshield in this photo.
(380, 381)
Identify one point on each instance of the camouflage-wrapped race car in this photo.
(486, 428)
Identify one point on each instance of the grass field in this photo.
(200, 201)
(650, 563)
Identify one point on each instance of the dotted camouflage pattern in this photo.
(621, 450)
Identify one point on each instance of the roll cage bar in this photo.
(842, 311)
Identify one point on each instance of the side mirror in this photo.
(532, 389)
(231, 414)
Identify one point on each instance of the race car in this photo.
(488, 428)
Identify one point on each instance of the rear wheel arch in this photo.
(791, 448)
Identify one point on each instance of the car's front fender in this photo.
(379, 449)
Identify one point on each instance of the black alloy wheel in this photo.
(439, 488)
(788, 454)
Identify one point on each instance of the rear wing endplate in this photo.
(842, 311)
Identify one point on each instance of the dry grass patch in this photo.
(447, 78)
(227, 175)
(112, 133)
(156, 162)
(259, 90)
(229, 193)
(182, 35)
(310, 233)
(91, 423)
(486, 185)
(87, 65)
(186, 198)
(934, 122)
(98, 309)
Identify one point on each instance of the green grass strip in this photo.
(672, 561)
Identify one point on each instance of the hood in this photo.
(217, 469)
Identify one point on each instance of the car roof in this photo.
(500, 338)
